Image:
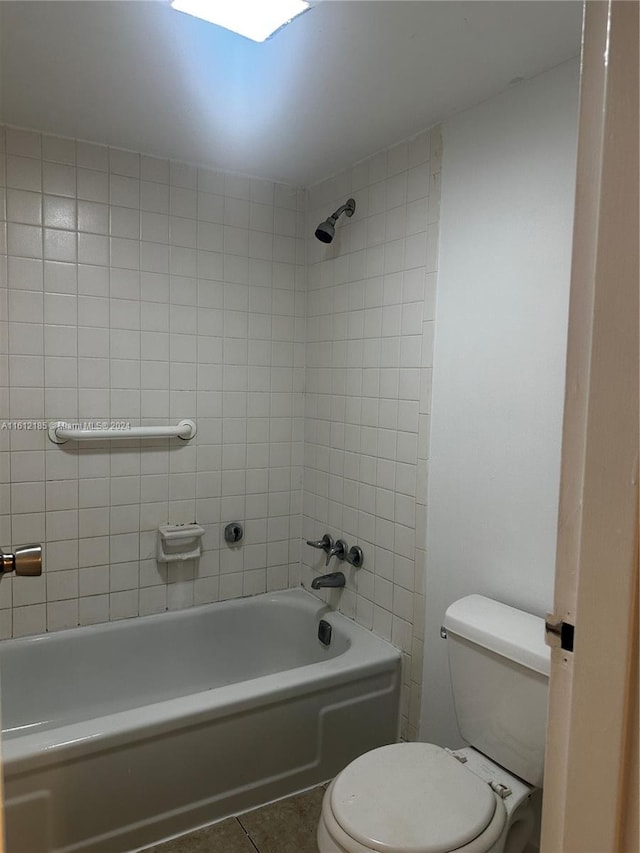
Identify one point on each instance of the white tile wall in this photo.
(144, 290)
(370, 318)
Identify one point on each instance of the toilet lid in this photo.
(411, 798)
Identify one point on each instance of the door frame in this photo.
(591, 756)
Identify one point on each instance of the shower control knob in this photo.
(25, 560)
(233, 533)
(325, 544)
(355, 556)
(339, 550)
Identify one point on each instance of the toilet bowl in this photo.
(420, 798)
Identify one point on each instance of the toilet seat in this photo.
(411, 798)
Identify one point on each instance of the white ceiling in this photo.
(341, 82)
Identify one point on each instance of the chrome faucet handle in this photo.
(324, 544)
(339, 550)
(355, 556)
(25, 560)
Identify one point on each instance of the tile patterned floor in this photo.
(288, 826)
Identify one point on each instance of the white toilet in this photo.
(421, 798)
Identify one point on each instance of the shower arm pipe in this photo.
(347, 208)
(62, 432)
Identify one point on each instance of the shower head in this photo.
(326, 231)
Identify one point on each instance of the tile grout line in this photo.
(247, 835)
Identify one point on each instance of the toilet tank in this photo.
(499, 667)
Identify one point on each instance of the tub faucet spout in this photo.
(333, 579)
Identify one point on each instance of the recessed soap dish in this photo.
(178, 542)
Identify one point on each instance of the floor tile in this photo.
(288, 826)
(225, 837)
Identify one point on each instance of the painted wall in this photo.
(370, 322)
(142, 290)
(503, 288)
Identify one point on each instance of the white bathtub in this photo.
(118, 736)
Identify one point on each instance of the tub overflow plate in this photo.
(324, 632)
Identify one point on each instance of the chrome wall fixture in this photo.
(233, 532)
(354, 556)
(325, 544)
(326, 231)
(339, 549)
(24, 560)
